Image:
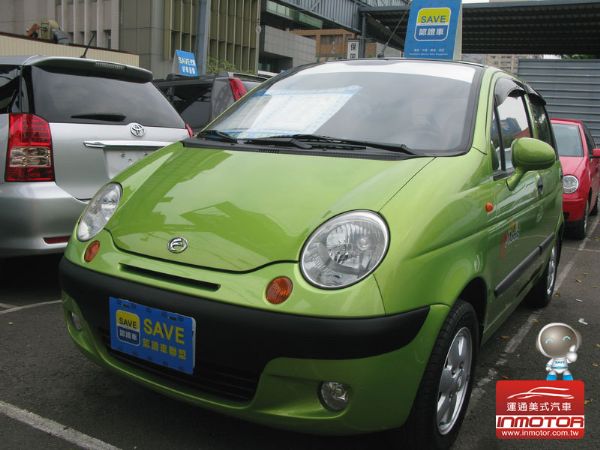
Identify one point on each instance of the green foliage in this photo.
(215, 65)
(578, 56)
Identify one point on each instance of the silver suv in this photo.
(67, 126)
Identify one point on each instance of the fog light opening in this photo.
(91, 251)
(334, 396)
(76, 321)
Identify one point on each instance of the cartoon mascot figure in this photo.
(559, 342)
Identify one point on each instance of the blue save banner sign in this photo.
(434, 30)
(186, 63)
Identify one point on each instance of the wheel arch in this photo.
(475, 293)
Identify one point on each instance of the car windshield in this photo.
(424, 106)
(568, 139)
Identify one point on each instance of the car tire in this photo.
(446, 383)
(594, 210)
(541, 293)
(580, 228)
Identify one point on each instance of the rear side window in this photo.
(541, 121)
(568, 139)
(66, 98)
(193, 102)
(514, 124)
(9, 87)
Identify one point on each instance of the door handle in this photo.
(540, 185)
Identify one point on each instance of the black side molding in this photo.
(516, 273)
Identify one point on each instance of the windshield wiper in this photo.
(308, 141)
(400, 148)
(217, 135)
(106, 117)
(278, 140)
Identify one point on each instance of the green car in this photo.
(328, 255)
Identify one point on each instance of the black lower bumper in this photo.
(242, 338)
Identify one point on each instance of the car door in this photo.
(513, 224)
(594, 163)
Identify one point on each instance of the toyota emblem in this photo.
(137, 130)
(177, 245)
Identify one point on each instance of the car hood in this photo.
(241, 210)
(571, 165)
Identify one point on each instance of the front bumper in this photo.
(32, 212)
(573, 207)
(266, 366)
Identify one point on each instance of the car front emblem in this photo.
(137, 130)
(177, 245)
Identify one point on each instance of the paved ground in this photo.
(76, 402)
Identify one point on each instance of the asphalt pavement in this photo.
(52, 397)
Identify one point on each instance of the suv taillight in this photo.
(237, 88)
(189, 130)
(29, 154)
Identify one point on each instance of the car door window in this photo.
(591, 145)
(514, 124)
(497, 151)
(540, 119)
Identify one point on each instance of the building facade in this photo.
(152, 29)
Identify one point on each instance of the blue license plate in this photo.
(160, 337)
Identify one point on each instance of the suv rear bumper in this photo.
(32, 212)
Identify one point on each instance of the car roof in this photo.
(18, 60)
(93, 66)
(376, 63)
(559, 120)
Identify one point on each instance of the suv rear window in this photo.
(9, 85)
(193, 102)
(66, 98)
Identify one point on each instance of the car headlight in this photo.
(570, 184)
(344, 250)
(99, 211)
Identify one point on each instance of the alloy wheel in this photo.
(551, 271)
(454, 380)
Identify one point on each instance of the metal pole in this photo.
(363, 37)
(202, 35)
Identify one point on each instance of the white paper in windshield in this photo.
(286, 112)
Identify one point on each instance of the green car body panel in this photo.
(247, 216)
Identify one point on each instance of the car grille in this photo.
(227, 383)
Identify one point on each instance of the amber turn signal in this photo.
(279, 290)
(91, 251)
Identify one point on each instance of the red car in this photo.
(581, 173)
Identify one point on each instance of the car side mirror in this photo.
(596, 153)
(529, 154)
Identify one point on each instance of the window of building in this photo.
(107, 39)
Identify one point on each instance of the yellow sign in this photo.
(434, 16)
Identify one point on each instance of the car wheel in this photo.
(542, 291)
(594, 210)
(580, 228)
(443, 395)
